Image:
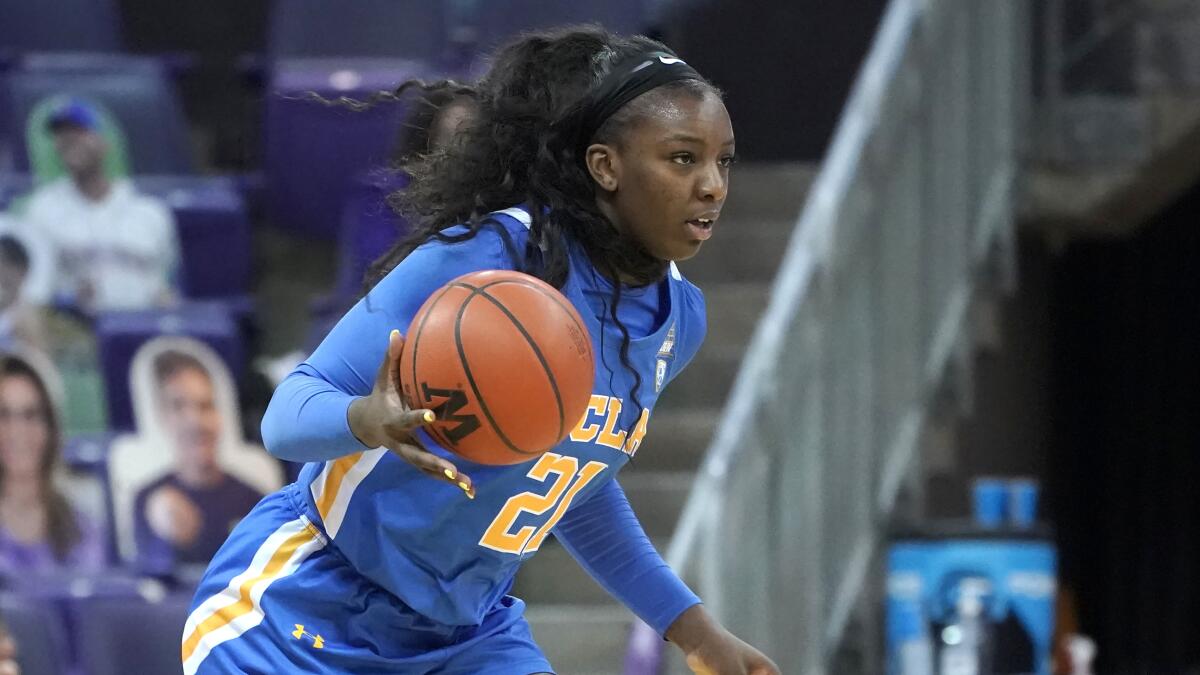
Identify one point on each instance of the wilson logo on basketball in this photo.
(453, 400)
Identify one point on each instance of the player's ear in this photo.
(604, 166)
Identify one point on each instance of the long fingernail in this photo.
(450, 474)
(395, 333)
(429, 417)
(464, 486)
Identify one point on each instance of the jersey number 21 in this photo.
(569, 480)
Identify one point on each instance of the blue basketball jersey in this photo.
(449, 557)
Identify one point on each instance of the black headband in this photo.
(631, 78)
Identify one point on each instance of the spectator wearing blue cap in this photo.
(113, 248)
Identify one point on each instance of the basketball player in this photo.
(593, 162)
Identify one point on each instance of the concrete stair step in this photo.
(552, 577)
(582, 639)
(769, 190)
(657, 498)
(676, 440)
(741, 250)
(734, 310)
(706, 381)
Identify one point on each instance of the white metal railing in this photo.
(823, 420)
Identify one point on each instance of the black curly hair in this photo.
(521, 146)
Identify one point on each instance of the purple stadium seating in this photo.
(313, 150)
(37, 627)
(141, 97)
(369, 227)
(58, 25)
(117, 635)
(413, 29)
(88, 62)
(87, 454)
(494, 22)
(214, 233)
(120, 334)
(214, 230)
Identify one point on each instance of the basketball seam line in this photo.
(570, 309)
(540, 357)
(462, 355)
(437, 433)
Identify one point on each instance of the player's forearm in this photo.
(693, 628)
(306, 421)
(605, 537)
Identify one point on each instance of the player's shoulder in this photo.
(500, 237)
(692, 296)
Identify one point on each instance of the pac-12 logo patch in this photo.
(666, 354)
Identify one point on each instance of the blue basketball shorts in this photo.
(278, 599)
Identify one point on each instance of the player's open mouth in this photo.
(701, 228)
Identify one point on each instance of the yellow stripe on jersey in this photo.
(245, 604)
(337, 470)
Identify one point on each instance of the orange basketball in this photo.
(504, 360)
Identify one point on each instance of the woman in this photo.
(39, 531)
(593, 162)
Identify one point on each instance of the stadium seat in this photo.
(59, 25)
(141, 98)
(120, 334)
(89, 62)
(214, 233)
(496, 21)
(369, 227)
(87, 457)
(313, 150)
(135, 633)
(36, 625)
(413, 29)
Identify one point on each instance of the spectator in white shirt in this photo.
(114, 248)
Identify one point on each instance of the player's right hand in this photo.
(383, 420)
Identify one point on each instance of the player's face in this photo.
(672, 174)
(190, 417)
(24, 431)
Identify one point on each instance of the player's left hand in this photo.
(712, 650)
(729, 656)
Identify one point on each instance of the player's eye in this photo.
(683, 158)
(728, 161)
